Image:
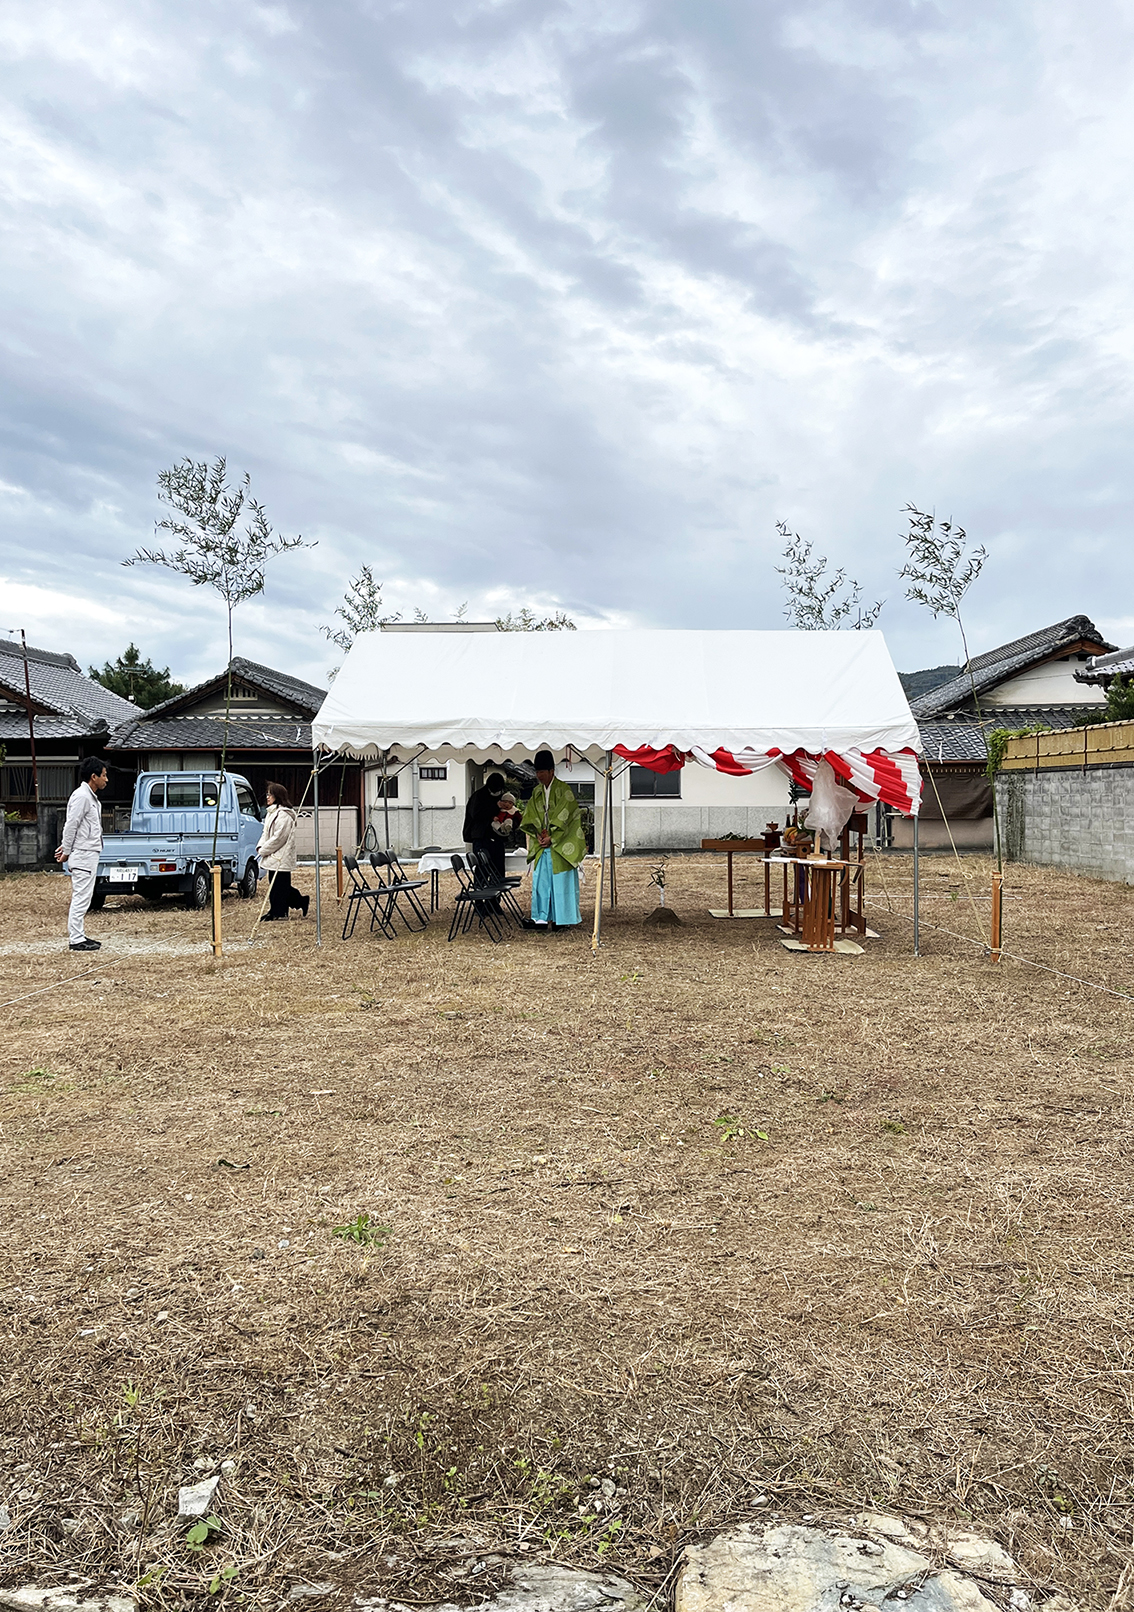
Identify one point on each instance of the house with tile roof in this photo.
(269, 738)
(1101, 670)
(1034, 681)
(47, 701)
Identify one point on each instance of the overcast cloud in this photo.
(565, 303)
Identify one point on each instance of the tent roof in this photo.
(489, 694)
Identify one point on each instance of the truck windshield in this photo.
(183, 793)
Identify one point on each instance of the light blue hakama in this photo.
(555, 896)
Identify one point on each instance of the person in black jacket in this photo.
(481, 809)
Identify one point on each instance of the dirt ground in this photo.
(443, 1256)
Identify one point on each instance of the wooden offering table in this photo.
(809, 898)
(744, 848)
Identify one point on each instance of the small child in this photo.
(507, 817)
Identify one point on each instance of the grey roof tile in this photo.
(207, 733)
(997, 665)
(58, 685)
(1101, 668)
(962, 738)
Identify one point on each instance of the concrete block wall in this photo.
(1082, 821)
(30, 845)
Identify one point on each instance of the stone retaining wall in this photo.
(1068, 818)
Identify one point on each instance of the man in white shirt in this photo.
(82, 847)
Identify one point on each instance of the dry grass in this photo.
(914, 1293)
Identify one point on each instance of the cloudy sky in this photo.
(565, 302)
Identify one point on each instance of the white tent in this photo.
(827, 707)
(734, 700)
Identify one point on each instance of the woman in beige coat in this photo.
(276, 855)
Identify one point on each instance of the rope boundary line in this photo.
(1015, 957)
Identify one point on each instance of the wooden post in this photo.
(339, 871)
(216, 909)
(996, 899)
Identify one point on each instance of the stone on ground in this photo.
(792, 1567)
(64, 1598)
(538, 1588)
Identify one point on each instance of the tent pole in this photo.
(916, 912)
(318, 867)
(386, 797)
(596, 936)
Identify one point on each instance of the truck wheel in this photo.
(98, 900)
(200, 889)
(247, 885)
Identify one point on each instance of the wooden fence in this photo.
(1104, 744)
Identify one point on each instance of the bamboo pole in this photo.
(339, 871)
(997, 894)
(596, 934)
(217, 947)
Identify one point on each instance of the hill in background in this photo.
(916, 683)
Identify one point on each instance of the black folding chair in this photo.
(395, 885)
(409, 885)
(478, 903)
(363, 894)
(487, 874)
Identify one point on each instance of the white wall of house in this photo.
(1052, 683)
(710, 804)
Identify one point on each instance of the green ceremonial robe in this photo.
(562, 820)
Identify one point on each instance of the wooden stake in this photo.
(216, 910)
(996, 898)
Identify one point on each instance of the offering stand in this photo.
(745, 848)
(809, 898)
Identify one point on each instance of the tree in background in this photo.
(526, 620)
(216, 551)
(941, 568)
(361, 612)
(817, 602)
(1119, 705)
(136, 679)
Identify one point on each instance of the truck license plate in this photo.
(123, 875)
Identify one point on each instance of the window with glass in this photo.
(583, 793)
(648, 785)
(183, 794)
(157, 797)
(246, 801)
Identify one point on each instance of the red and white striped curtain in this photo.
(891, 777)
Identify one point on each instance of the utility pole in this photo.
(31, 722)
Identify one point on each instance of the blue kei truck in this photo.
(169, 846)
